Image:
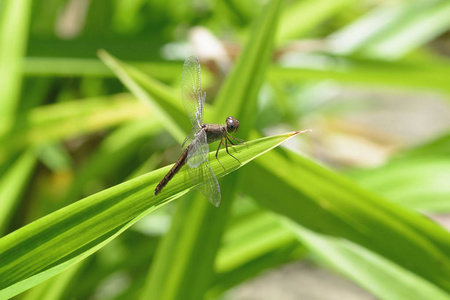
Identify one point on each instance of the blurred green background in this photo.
(362, 200)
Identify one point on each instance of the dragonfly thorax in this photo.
(214, 132)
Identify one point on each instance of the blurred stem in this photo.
(12, 185)
(184, 265)
(13, 39)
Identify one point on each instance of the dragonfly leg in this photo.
(233, 144)
(242, 142)
(217, 152)
(226, 148)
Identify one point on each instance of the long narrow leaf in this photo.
(381, 277)
(414, 76)
(12, 185)
(159, 97)
(302, 16)
(51, 244)
(391, 31)
(64, 120)
(15, 14)
(328, 203)
(64, 67)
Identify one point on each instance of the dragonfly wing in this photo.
(198, 150)
(191, 91)
(189, 139)
(209, 186)
(200, 171)
(203, 176)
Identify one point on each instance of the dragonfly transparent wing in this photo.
(209, 185)
(190, 138)
(200, 171)
(198, 150)
(191, 91)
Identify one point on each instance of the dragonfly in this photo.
(196, 148)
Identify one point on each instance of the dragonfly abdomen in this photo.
(176, 167)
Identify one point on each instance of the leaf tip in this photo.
(101, 52)
(301, 131)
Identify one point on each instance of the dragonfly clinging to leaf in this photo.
(196, 149)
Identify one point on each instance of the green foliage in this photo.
(90, 109)
(237, 97)
(76, 231)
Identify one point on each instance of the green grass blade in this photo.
(183, 269)
(15, 14)
(328, 203)
(369, 73)
(79, 67)
(64, 120)
(253, 243)
(391, 31)
(54, 288)
(254, 236)
(415, 179)
(12, 184)
(247, 242)
(436, 147)
(162, 100)
(303, 16)
(51, 244)
(120, 146)
(378, 275)
(413, 30)
(238, 95)
(416, 183)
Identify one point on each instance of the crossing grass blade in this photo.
(161, 99)
(328, 203)
(184, 269)
(381, 277)
(60, 121)
(12, 184)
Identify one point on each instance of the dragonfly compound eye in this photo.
(232, 124)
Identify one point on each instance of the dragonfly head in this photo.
(232, 125)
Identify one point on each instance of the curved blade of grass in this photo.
(84, 67)
(378, 275)
(302, 16)
(120, 146)
(391, 31)
(161, 99)
(328, 203)
(238, 95)
(247, 242)
(369, 73)
(257, 234)
(54, 288)
(253, 243)
(437, 147)
(59, 121)
(12, 185)
(415, 179)
(51, 244)
(416, 183)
